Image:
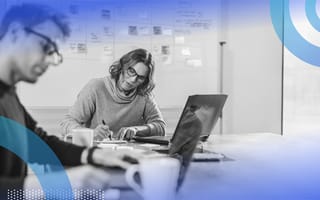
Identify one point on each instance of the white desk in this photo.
(265, 166)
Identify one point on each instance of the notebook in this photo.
(207, 108)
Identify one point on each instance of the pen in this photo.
(104, 123)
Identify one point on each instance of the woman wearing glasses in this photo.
(121, 105)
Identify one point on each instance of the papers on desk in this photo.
(107, 141)
(121, 147)
(107, 146)
(148, 145)
(110, 144)
(115, 146)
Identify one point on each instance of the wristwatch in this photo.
(90, 156)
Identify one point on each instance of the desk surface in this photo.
(265, 166)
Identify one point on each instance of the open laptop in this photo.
(198, 118)
(207, 107)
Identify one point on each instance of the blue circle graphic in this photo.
(312, 14)
(293, 41)
(29, 147)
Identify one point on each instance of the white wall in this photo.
(252, 69)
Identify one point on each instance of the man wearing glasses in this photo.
(27, 48)
(50, 47)
(119, 105)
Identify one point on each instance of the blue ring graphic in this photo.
(13, 135)
(312, 14)
(293, 41)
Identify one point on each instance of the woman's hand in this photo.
(126, 133)
(101, 132)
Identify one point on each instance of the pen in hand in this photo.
(104, 123)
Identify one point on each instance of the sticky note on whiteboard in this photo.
(194, 62)
(186, 52)
(179, 40)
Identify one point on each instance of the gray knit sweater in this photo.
(100, 100)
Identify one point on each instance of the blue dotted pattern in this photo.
(41, 152)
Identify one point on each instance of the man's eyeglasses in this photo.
(50, 48)
(132, 72)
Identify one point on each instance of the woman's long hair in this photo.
(129, 60)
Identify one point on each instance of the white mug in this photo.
(82, 136)
(159, 178)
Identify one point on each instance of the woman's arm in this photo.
(155, 124)
(81, 112)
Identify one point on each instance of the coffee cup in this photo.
(158, 178)
(82, 136)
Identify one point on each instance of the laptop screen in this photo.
(199, 116)
(207, 108)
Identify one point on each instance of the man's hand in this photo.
(109, 158)
(88, 177)
(83, 178)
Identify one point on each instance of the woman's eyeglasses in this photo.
(50, 48)
(132, 72)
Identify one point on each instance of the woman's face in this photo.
(133, 77)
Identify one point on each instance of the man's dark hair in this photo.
(30, 15)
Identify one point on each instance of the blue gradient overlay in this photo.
(121, 13)
(293, 40)
(287, 178)
(280, 171)
(41, 153)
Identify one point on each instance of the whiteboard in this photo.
(182, 36)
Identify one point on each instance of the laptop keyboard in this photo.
(207, 156)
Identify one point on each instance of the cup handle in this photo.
(67, 137)
(131, 171)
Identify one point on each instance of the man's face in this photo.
(37, 51)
